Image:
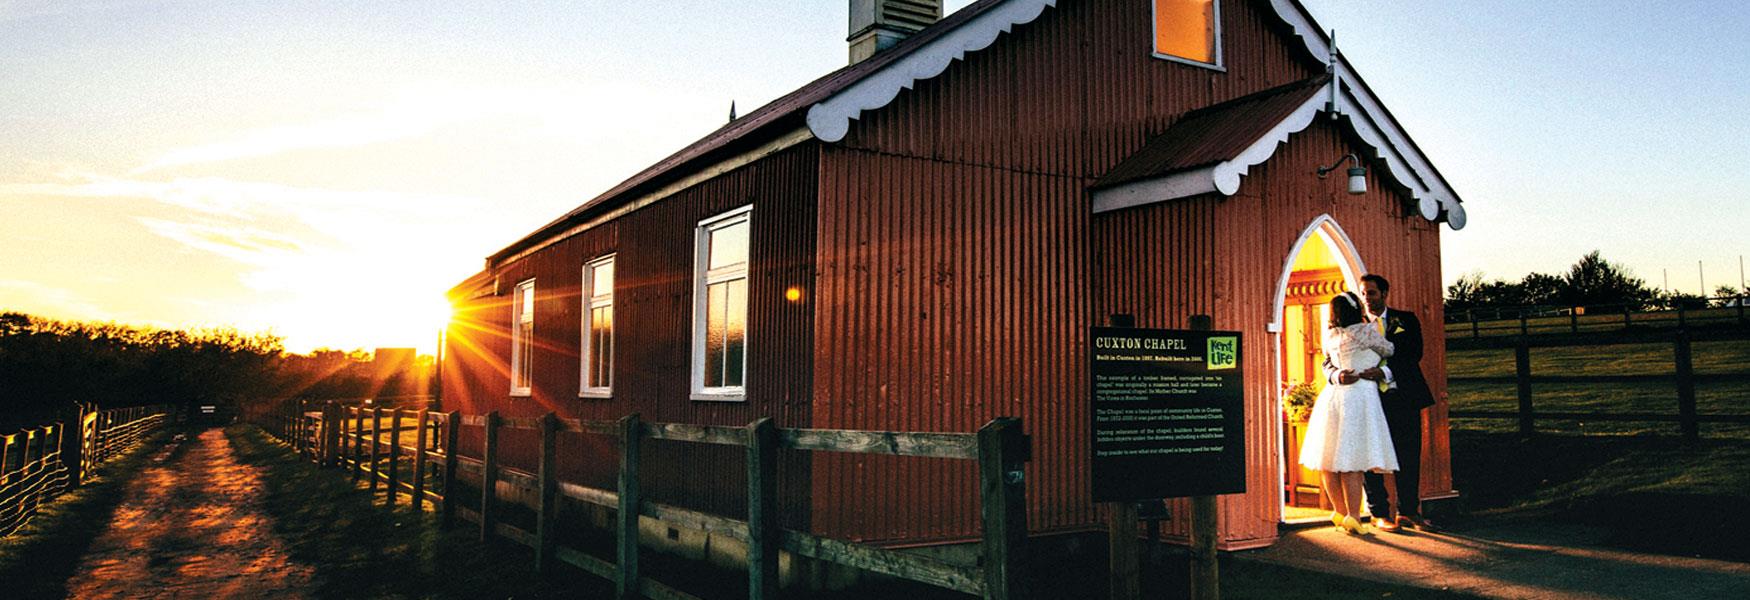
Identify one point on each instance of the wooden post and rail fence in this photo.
(41, 463)
(370, 443)
(1683, 378)
(1527, 320)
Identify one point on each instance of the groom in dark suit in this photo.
(1404, 395)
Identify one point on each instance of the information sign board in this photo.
(1168, 413)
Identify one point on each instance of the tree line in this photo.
(47, 365)
(1592, 283)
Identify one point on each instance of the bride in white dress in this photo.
(1347, 434)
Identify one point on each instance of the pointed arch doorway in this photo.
(1322, 263)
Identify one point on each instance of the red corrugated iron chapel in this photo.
(921, 240)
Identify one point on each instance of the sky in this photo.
(324, 171)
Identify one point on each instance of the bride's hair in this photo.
(1345, 310)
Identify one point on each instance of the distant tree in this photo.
(1465, 293)
(1595, 282)
(1539, 288)
(46, 366)
(1592, 282)
(1682, 300)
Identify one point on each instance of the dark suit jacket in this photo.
(1404, 331)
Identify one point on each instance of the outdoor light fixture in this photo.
(1357, 173)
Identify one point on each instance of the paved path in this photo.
(191, 527)
(1526, 559)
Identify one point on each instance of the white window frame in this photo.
(518, 358)
(1218, 65)
(701, 280)
(594, 299)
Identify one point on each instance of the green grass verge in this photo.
(361, 549)
(37, 560)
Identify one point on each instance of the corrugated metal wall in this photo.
(1224, 257)
(653, 312)
(954, 252)
(949, 294)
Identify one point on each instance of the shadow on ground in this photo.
(38, 560)
(361, 549)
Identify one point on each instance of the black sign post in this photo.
(1168, 419)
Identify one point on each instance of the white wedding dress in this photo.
(1347, 430)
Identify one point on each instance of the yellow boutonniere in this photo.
(1398, 330)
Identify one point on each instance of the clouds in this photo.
(30, 296)
(582, 113)
(299, 260)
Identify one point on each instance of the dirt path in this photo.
(192, 527)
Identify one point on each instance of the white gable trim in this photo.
(831, 119)
(1223, 177)
(1430, 191)
(1160, 189)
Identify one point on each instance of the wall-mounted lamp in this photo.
(1357, 173)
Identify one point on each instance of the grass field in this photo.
(1639, 480)
(1707, 358)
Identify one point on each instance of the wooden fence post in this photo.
(548, 507)
(763, 528)
(88, 439)
(447, 507)
(394, 454)
(1524, 328)
(358, 442)
(1475, 332)
(419, 441)
(489, 478)
(1681, 321)
(5, 459)
(1003, 493)
(97, 441)
(376, 447)
(71, 452)
(1522, 374)
(24, 460)
(626, 550)
(298, 444)
(1573, 319)
(1205, 516)
(330, 433)
(308, 430)
(1626, 320)
(1686, 390)
(1123, 577)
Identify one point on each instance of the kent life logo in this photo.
(1224, 353)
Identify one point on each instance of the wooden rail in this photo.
(1543, 319)
(41, 463)
(371, 442)
(1683, 378)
